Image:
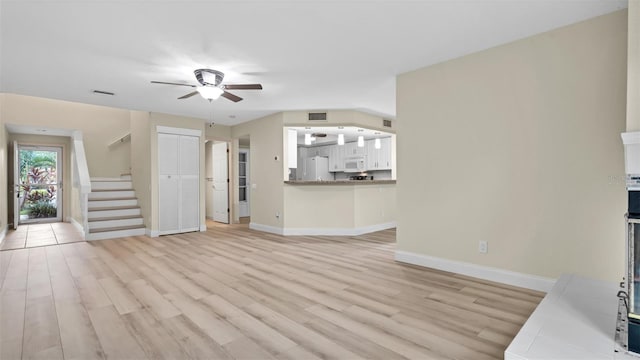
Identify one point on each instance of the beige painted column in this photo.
(633, 67)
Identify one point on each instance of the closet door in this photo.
(168, 185)
(189, 167)
(178, 184)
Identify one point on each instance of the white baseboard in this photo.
(77, 225)
(528, 281)
(266, 228)
(151, 233)
(203, 227)
(338, 231)
(322, 231)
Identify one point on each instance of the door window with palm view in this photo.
(39, 180)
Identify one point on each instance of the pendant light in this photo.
(360, 141)
(377, 144)
(307, 139)
(340, 139)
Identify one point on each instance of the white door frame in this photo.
(16, 185)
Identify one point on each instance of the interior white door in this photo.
(16, 185)
(179, 183)
(220, 183)
(189, 168)
(168, 183)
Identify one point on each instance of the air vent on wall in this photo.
(386, 123)
(318, 116)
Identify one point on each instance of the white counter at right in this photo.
(576, 320)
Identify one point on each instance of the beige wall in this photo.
(4, 208)
(100, 126)
(140, 126)
(374, 205)
(266, 199)
(330, 206)
(516, 145)
(633, 67)
(217, 132)
(339, 206)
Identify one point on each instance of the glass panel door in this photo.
(634, 268)
(39, 184)
(242, 176)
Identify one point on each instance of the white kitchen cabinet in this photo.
(178, 182)
(379, 159)
(336, 158)
(319, 151)
(352, 149)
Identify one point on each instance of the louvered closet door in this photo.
(168, 185)
(179, 184)
(189, 167)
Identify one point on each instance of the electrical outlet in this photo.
(483, 247)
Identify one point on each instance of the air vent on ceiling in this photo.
(386, 123)
(318, 116)
(102, 92)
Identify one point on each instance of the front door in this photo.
(37, 184)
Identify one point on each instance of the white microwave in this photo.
(355, 164)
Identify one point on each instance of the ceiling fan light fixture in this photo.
(210, 92)
(209, 77)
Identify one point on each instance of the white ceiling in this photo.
(309, 55)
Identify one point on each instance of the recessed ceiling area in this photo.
(307, 54)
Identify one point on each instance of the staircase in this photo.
(113, 209)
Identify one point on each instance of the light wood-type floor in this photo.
(34, 235)
(232, 292)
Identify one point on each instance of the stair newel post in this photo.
(84, 207)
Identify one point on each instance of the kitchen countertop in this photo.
(339, 182)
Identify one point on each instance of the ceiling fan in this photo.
(211, 86)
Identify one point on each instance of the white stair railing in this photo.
(81, 180)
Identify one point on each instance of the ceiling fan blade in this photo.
(170, 83)
(188, 95)
(243, 87)
(231, 97)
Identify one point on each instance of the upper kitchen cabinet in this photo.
(352, 149)
(319, 151)
(379, 159)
